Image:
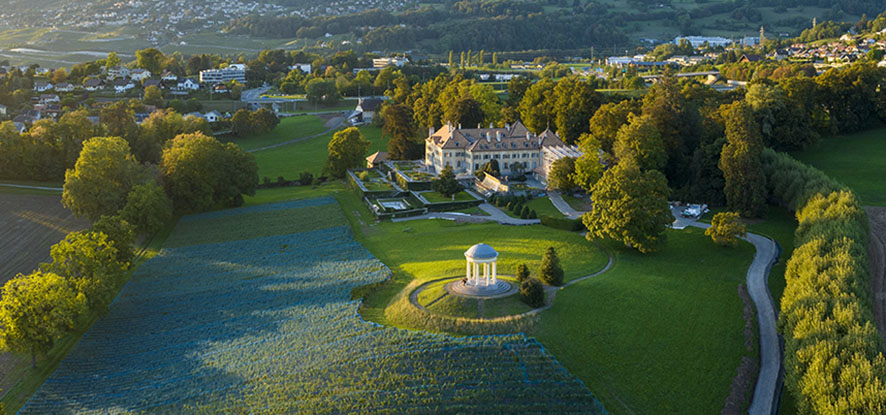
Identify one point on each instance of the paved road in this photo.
(562, 206)
(20, 186)
(768, 382)
(253, 94)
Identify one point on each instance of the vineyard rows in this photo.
(266, 325)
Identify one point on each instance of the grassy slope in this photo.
(543, 207)
(291, 160)
(288, 129)
(659, 333)
(857, 160)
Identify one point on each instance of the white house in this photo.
(2, 110)
(169, 77)
(118, 72)
(304, 67)
(49, 98)
(365, 111)
(123, 85)
(64, 87)
(139, 75)
(187, 84)
(42, 86)
(213, 116)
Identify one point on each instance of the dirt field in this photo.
(29, 225)
(877, 253)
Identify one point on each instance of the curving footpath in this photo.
(768, 380)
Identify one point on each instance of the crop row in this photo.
(266, 325)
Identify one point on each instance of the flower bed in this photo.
(266, 325)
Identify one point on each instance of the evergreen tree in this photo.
(532, 292)
(446, 184)
(550, 271)
(741, 162)
(522, 272)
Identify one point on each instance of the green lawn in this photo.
(543, 207)
(434, 197)
(429, 249)
(658, 333)
(289, 128)
(857, 160)
(580, 204)
(282, 194)
(291, 160)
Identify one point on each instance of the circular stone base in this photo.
(501, 288)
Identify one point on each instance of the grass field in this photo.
(260, 320)
(543, 207)
(434, 197)
(289, 128)
(291, 160)
(857, 160)
(658, 333)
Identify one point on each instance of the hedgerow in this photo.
(833, 358)
(266, 325)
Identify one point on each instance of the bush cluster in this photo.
(515, 204)
(833, 362)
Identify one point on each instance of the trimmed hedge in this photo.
(572, 225)
(833, 358)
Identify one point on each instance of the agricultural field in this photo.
(856, 160)
(310, 155)
(260, 320)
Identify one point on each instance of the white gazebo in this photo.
(481, 254)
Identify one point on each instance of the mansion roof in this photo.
(512, 137)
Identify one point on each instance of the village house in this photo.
(187, 84)
(49, 99)
(93, 84)
(397, 61)
(64, 87)
(118, 72)
(139, 75)
(233, 72)
(2, 110)
(169, 77)
(466, 150)
(365, 111)
(213, 116)
(122, 85)
(376, 159)
(42, 86)
(153, 82)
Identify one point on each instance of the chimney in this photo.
(490, 125)
(430, 131)
(478, 126)
(488, 138)
(508, 127)
(498, 137)
(527, 135)
(459, 126)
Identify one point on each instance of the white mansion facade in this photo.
(468, 149)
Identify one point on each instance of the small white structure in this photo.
(481, 254)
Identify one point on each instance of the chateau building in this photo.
(514, 147)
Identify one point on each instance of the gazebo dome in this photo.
(481, 251)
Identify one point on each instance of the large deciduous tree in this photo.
(588, 166)
(346, 151)
(537, 106)
(151, 59)
(576, 102)
(36, 310)
(467, 113)
(640, 141)
(630, 206)
(725, 228)
(200, 173)
(740, 161)
(609, 118)
(561, 175)
(148, 208)
(400, 129)
(322, 92)
(102, 177)
(89, 261)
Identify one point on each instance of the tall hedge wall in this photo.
(833, 358)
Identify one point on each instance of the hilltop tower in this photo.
(762, 36)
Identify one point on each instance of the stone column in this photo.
(467, 269)
(494, 272)
(476, 273)
(486, 272)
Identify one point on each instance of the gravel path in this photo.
(562, 206)
(768, 380)
(877, 254)
(495, 215)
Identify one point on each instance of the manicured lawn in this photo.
(281, 194)
(543, 207)
(291, 160)
(428, 249)
(580, 204)
(289, 128)
(658, 333)
(857, 160)
(434, 197)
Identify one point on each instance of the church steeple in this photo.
(762, 35)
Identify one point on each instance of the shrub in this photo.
(281, 181)
(725, 229)
(550, 272)
(266, 180)
(524, 212)
(305, 178)
(532, 293)
(522, 272)
(363, 175)
(532, 214)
